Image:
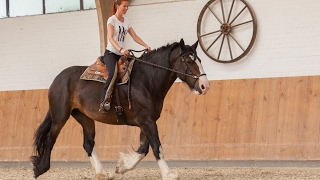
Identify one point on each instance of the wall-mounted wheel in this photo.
(226, 29)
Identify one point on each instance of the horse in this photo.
(150, 80)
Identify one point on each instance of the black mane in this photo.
(161, 52)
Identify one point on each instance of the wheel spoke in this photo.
(242, 23)
(215, 15)
(230, 11)
(228, 39)
(236, 42)
(238, 15)
(221, 46)
(214, 41)
(210, 33)
(224, 19)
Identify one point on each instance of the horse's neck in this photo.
(157, 79)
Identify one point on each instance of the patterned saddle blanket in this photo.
(98, 71)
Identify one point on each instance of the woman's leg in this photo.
(110, 60)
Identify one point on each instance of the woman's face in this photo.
(123, 7)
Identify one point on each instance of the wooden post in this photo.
(104, 10)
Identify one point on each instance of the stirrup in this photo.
(107, 106)
(103, 108)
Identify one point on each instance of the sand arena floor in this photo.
(187, 173)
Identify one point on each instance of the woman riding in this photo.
(117, 28)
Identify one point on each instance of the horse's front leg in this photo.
(151, 130)
(129, 161)
(89, 132)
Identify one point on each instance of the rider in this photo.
(117, 28)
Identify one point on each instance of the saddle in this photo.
(98, 71)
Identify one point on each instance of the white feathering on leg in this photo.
(165, 171)
(128, 161)
(96, 164)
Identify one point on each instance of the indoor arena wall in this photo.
(264, 106)
(244, 119)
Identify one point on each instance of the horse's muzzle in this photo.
(202, 85)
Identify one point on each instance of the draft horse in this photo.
(151, 78)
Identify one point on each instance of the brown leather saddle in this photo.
(98, 71)
(99, 68)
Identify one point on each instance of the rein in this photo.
(156, 65)
(169, 69)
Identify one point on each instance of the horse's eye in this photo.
(190, 60)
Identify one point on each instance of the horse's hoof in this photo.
(171, 175)
(104, 176)
(121, 167)
(38, 168)
(128, 161)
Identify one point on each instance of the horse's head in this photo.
(189, 64)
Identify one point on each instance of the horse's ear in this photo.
(195, 45)
(182, 44)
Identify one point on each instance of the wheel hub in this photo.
(225, 28)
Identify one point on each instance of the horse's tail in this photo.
(41, 135)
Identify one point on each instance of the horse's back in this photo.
(68, 91)
(71, 72)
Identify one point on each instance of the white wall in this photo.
(34, 49)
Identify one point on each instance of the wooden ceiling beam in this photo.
(104, 11)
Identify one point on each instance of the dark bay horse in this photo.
(68, 95)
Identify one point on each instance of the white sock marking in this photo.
(95, 162)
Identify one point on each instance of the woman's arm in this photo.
(137, 39)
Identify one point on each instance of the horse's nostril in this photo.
(202, 87)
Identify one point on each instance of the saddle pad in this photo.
(97, 77)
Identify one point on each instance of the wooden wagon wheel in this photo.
(226, 29)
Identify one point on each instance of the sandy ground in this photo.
(201, 173)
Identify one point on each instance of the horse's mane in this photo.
(161, 52)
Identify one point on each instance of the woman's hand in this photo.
(125, 52)
(148, 48)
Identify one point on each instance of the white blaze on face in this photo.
(203, 80)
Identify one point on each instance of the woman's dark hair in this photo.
(117, 2)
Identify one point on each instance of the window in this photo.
(53, 6)
(89, 4)
(145, 2)
(14, 8)
(23, 7)
(3, 7)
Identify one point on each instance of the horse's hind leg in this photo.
(45, 138)
(88, 144)
(129, 161)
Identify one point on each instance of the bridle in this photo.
(188, 72)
